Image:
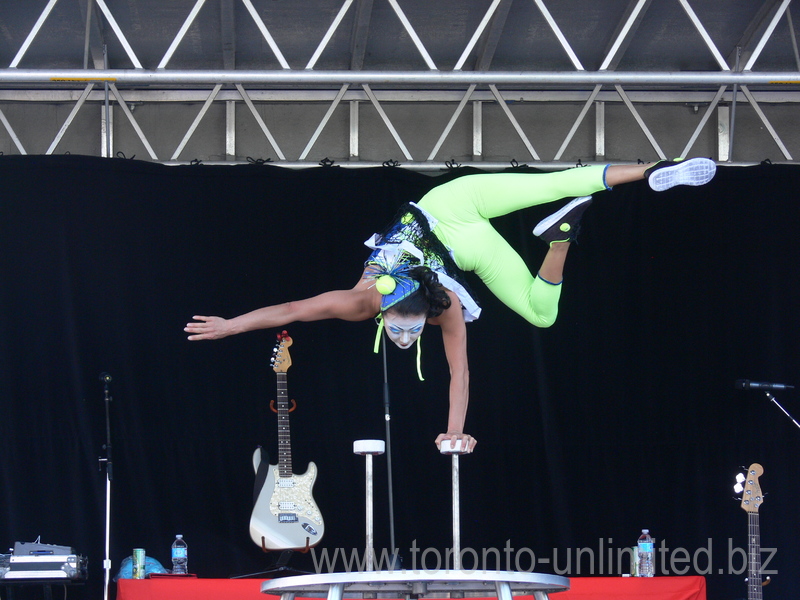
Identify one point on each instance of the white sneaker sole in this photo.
(548, 222)
(695, 171)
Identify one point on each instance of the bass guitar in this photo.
(285, 516)
(752, 499)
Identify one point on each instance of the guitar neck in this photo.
(754, 587)
(284, 433)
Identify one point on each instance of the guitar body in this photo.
(285, 516)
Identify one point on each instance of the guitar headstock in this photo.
(281, 361)
(747, 485)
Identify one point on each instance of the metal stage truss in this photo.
(361, 83)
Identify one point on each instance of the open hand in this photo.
(207, 328)
(467, 441)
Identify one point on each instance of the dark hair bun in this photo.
(430, 300)
(434, 293)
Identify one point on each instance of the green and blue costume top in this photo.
(410, 241)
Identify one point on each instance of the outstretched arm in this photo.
(357, 304)
(454, 336)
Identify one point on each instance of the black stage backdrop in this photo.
(623, 415)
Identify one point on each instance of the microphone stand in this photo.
(772, 399)
(387, 419)
(106, 378)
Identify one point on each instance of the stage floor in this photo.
(581, 588)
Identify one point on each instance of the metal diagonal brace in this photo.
(329, 34)
(561, 39)
(181, 33)
(640, 121)
(475, 36)
(706, 116)
(413, 35)
(120, 36)
(324, 121)
(33, 33)
(133, 121)
(11, 132)
(386, 121)
(704, 34)
(70, 118)
(452, 121)
(197, 120)
(265, 32)
(766, 122)
(767, 34)
(517, 127)
(587, 105)
(260, 121)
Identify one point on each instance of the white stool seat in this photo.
(369, 447)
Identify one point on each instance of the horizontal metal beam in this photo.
(124, 77)
(776, 95)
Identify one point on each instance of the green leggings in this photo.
(463, 208)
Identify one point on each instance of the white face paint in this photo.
(403, 331)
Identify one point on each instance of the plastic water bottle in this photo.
(180, 556)
(647, 559)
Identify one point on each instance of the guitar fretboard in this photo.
(754, 588)
(284, 434)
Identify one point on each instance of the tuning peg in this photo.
(739, 488)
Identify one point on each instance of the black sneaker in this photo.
(666, 174)
(563, 225)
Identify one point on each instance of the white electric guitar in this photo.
(285, 516)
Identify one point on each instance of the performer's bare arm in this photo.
(360, 303)
(454, 336)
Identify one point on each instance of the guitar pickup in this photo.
(287, 518)
(286, 506)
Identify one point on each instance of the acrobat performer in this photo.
(414, 276)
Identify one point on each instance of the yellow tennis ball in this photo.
(385, 284)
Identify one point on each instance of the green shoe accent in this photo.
(563, 225)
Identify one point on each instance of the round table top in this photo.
(403, 582)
